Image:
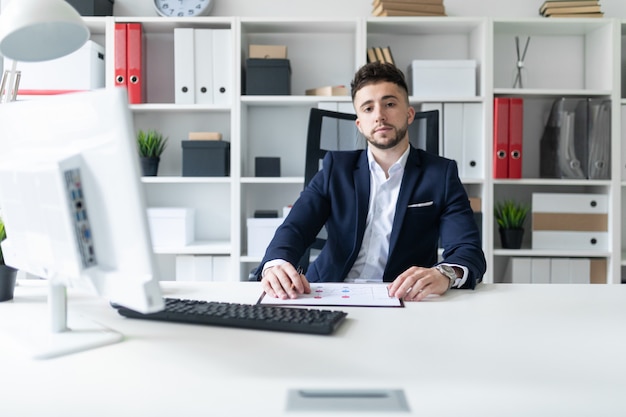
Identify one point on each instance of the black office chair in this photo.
(335, 131)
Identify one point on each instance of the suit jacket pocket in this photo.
(421, 204)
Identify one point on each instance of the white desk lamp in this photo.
(37, 30)
(33, 31)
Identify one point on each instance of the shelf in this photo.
(186, 180)
(551, 253)
(552, 181)
(174, 108)
(272, 180)
(306, 101)
(548, 93)
(197, 248)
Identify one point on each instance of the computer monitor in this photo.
(74, 211)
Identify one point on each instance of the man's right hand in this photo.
(284, 281)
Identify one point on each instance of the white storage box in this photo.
(171, 226)
(260, 233)
(202, 268)
(442, 78)
(80, 70)
(574, 221)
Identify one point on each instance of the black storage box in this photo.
(265, 166)
(270, 77)
(206, 158)
(93, 7)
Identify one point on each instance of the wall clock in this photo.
(183, 8)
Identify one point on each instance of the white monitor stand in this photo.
(62, 334)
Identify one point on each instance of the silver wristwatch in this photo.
(448, 272)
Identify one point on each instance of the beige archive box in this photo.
(570, 221)
(337, 90)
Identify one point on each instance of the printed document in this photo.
(340, 294)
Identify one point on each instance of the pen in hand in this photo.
(300, 271)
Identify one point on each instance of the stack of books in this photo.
(571, 8)
(408, 8)
(380, 54)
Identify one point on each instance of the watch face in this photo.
(183, 8)
(447, 270)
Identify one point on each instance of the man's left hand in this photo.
(417, 283)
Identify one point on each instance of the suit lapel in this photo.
(361, 177)
(412, 173)
(362, 185)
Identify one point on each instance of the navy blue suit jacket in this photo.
(432, 203)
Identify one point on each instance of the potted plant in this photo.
(7, 274)
(150, 145)
(511, 216)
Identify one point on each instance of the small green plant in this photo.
(150, 144)
(510, 214)
(3, 235)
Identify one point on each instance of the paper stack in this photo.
(408, 8)
(571, 8)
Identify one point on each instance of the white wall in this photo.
(358, 8)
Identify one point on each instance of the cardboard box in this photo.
(597, 271)
(171, 226)
(260, 233)
(267, 51)
(268, 77)
(80, 70)
(204, 136)
(583, 222)
(339, 90)
(442, 78)
(476, 204)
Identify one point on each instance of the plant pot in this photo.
(8, 276)
(149, 166)
(511, 238)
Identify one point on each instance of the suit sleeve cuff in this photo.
(270, 264)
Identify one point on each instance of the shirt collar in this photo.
(398, 165)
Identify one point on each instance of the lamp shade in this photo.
(40, 30)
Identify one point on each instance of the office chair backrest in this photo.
(335, 131)
(329, 131)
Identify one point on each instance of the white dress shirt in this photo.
(372, 258)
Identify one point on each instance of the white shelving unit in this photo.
(571, 58)
(566, 58)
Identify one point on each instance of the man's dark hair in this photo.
(375, 72)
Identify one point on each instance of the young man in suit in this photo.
(385, 209)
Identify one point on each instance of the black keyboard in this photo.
(250, 316)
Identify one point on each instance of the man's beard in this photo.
(400, 133)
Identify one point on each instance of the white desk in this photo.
(502, 350)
